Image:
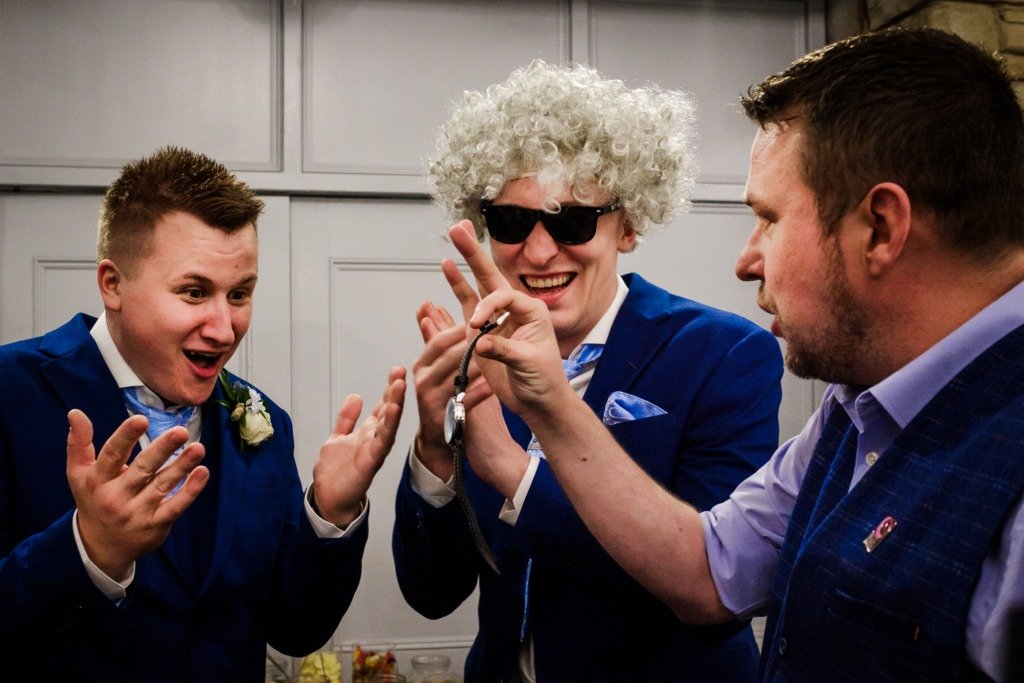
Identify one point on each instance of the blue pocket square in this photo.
(623, 407)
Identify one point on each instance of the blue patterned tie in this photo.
(159, 422)
(584, 360)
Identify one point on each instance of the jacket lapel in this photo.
(80, 377)
(201, 539)
(233, 466)
(635, 337)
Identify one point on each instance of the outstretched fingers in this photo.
(394, 391)
(442, 353)
(151, 458)
(185, 466)
(443, 318)
(393, 398)
(388, 411)
(464, 292)
(115, 452)
(433, 320)
(81, 452)
(348, 415)
(487, 275)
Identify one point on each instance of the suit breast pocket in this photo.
(646, 427)
(652, 442)
(860, 613)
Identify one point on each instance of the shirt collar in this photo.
(599, 333)
(907, 391)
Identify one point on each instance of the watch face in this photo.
(454, 421)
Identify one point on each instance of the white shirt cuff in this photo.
(510, 510)
(427, 485)
(325, 529)
(115, 590)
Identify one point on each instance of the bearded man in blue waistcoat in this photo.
(182, 560)
(885, 541)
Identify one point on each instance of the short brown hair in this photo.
(171, 179)
(918, 107)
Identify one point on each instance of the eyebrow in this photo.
(760, 210)
(203, 280)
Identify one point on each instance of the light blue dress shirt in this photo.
(743, 534)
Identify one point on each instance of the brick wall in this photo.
(995, 25)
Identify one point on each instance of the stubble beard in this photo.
(833, 351)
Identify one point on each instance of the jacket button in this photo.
(783, 646)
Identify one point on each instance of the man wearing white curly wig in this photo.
(563, 170)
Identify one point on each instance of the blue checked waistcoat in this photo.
(949, 479)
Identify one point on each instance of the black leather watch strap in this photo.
(458, 456)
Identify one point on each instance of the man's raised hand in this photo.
(520, 359)
(123, 510)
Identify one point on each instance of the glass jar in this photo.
(432, 669)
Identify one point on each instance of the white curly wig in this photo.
(570, 128)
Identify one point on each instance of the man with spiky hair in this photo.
(885, 542)
(181, 557)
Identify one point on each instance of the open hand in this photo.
(520, 359)
(351, 456)
(434, 381)
(123, 510)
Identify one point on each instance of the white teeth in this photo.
(545, 282)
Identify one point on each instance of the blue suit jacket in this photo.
(242, 567)
(717, 377)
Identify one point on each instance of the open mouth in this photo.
(203, 359)
(546, 284)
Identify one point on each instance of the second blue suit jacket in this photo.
(717, 377)
(242, 567)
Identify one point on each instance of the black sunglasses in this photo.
(512, 224)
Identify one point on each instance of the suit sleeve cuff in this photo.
(325, 529)
(510, 510)
(114, 590)
(427, 486)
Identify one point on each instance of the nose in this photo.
(539, 247)
(750, 265)
(217, 327)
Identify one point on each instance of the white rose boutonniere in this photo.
(247, 409)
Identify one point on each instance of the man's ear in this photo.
(627, 238)
(885, 213)
(110, 279)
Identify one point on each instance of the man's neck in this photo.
(598, 334)
(104, 335)
(929, 309)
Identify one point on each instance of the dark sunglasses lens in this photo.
(572, 225)
(512, 224)
(509, 224)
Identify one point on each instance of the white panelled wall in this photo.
(329, 108)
